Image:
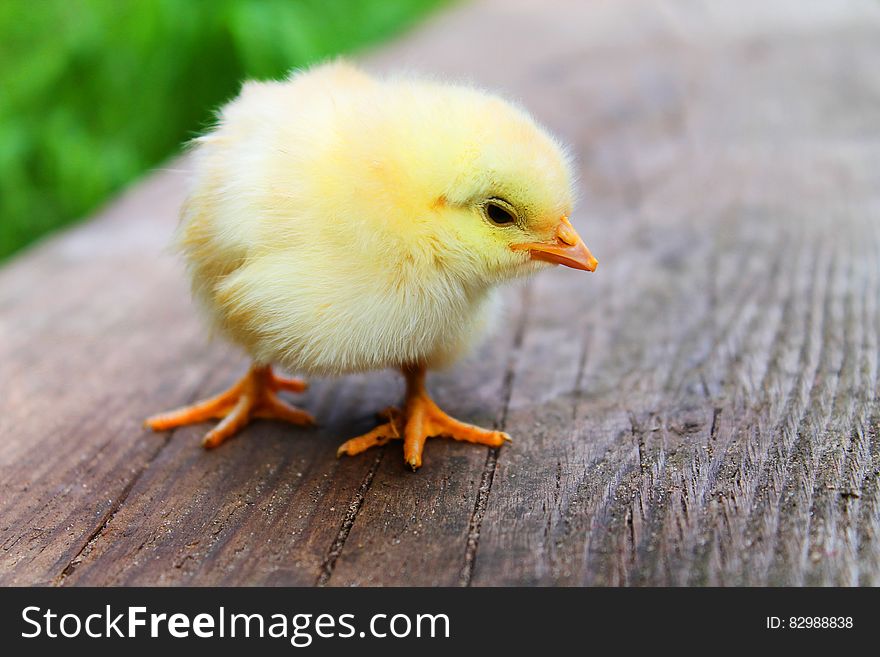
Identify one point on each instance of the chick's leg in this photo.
(254, 395)
(422, 419)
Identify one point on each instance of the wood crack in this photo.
(354, 508)
(108, 516)
(488, 474)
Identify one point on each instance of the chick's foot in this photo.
(421, 420)
(254, 395)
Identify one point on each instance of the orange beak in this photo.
(567, 248)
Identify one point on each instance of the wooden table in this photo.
(702, 410)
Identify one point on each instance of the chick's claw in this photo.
(422, 419)
(252, 396)
(426, 420)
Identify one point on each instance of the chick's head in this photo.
(493, 189)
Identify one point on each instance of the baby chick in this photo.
(343, 223)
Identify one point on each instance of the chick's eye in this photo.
(498, 214)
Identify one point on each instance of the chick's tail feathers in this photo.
(254, 395)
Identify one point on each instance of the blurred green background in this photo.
(93, 93)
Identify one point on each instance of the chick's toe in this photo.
(254, 395)
(421, 420)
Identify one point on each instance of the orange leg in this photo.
(421, 419)
(254, 395)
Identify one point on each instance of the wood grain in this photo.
(701, 411)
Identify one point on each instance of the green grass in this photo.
(93, 93)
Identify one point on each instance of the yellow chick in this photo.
(342, 223)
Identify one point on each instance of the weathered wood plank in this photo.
(739, 316)
(703, 410)
(263, 511)
(69, 451)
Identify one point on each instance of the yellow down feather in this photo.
(337, 221)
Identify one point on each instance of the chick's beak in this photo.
(567, 248)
